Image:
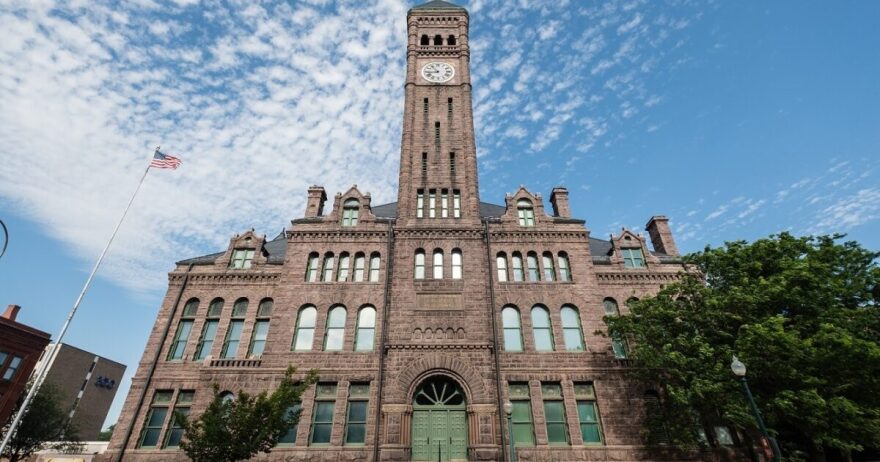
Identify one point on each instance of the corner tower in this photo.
(438, 162)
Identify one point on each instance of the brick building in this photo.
(20, 348)
(425, 316)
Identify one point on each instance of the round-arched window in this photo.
(439, 391)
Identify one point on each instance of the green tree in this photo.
(45, 425)
(802, 313)
(238, 429)
(106, 434)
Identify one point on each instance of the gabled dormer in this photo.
(525, 209)
(245, 251)
(351, 208)
(630, 250)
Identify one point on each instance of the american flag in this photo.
(164, 161)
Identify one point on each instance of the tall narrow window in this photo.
(450, 40)
(501, 266)
(437, 134)
(444, 203)
(425, 105)
(329, 263)
(239, 308)
(209, 330)
(366, 329)
(571, 329)
(588, 413)
(342, 274)
(542, 329)
(312, 268)
(305, 329)
(289, 437)
(456, 264)
(564, 267)
(525, 212)
(322, 420)
(241, 258)
(452, 164)
(233, 338)
(335, 332)
(424, 165)
(549, 270)
(438, 264)
(456, 203)
(350, 212)
(512, 329)
(611, 308)
(618, 343)
(175, 433)
(554, 413)
(215, 308)
(518, 274)
(521, 415)
(191, 308)
(258, 338)
(359, 265)
(420, 204)
(184, 328)
(155, 419)
(374, 267)
(420, 264)
(633, 258)
(432, 199)
(356, 418)
(532, 259)
(438, 40)
(425, 41)
(449, 107)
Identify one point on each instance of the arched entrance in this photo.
(439, 420)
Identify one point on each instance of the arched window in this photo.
(305, 329)
(215, 308)
(618, 343)
(456, 264)
(438, 264)
(359, 265)
(261, 329)
(425, 40)
(501, 265)
(226, 397)
(532, 259)
(518, 274)
(350, 212)
(329, 262)
(571, 329)
(265, 309)
(366, 329)
(312, 267)
(450, 40)
(233, 332)
(335, 334)
(438, 40)
(512, 329)
(374, 267)
(564, 267)
(611, 308)
(420, 264)
(342, 274)
(549, 270)
(525, 212)
(541, 328)
(191, 307)
(239, 309)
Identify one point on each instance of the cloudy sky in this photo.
(735, 119)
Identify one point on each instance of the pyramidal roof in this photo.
(437, 5)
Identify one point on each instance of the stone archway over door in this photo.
(439, 421)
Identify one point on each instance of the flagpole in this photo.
(41, 373)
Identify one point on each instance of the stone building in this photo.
(424, 316)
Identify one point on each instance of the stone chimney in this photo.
(315, 205)
(661, 236)
(559, 199)
(11, 312)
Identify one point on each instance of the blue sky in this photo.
(735, 119)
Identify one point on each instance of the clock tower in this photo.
(438, 166)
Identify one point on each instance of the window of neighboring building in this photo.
(564, 267)
(588, 413)
(571, 329)
(525, 212)
(342, 274)
(438, 264)
(289, 437)
(241, 258)
(312, 268)
(512, 329)
(521, 415)
(456, 203)
(541, 329)
(155, 419)
(420, 204)
(356, 418)
(366, 329)
(359, 265)
(322, 420)
(305, 329)
(335, 332)
(518, 274)
(501, 266)
(175, 432)
(350, 212)
(633, 258)
(420, 264)
(374, 267)
(549, 270)
(456, 264)
(532, 259)
(554, 413)
(12, 368)
(329, 263)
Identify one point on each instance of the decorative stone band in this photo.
(627, 277)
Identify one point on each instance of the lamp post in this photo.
(739, 370)
(508, 409)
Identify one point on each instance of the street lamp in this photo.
(739, 370)
(508, 409)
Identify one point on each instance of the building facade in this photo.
(20, 348)
(426, 317)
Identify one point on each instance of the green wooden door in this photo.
(421, 431)
(439, 423)
(457, 435)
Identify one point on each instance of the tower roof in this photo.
(437, 5)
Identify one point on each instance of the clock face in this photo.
(438, 72)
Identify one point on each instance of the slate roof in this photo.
(437, 5)
(276, 249)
